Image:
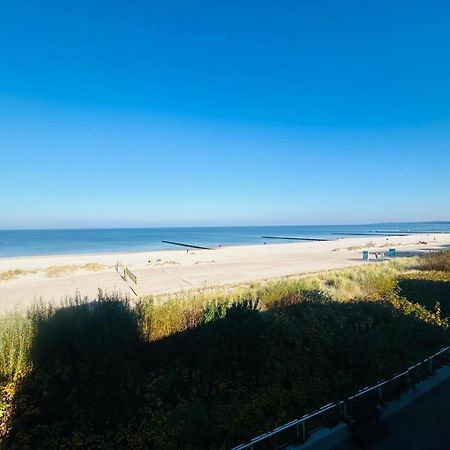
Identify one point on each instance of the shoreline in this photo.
(133, 252)
(54, 277)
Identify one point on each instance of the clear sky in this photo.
(166, 113)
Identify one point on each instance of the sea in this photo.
(14, 243)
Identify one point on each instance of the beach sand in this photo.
(52, 278)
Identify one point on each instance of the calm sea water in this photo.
(58, 242)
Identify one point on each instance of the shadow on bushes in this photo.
(97, 384)
(427, 293)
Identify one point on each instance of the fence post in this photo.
(379, 393)
(431, 365)
(304, 430)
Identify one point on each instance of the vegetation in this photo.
(58, 271)
(438, 261)
(11, 274)
(212, 368)
(51, 271)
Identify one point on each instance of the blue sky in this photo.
(169, 113)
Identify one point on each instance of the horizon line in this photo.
(224, 226)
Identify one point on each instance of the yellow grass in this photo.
(51, 272)
(93, 267)
(166, 263)
(11, 274)
(59, 271)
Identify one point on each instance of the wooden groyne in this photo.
(369, 234)
(294, 238)
(188, 245)
(414, 232)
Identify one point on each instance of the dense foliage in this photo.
(206, 371)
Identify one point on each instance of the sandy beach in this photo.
(52, 278)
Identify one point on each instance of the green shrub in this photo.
(16, 334)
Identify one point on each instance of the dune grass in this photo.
(166, 263)
(59, 271)
(12, 274)
(51, 271)
(210, 368)
(93, 267)
(437, 261)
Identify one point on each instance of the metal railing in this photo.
(297, 431)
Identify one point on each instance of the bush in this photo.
(16, 335)
(439, 261)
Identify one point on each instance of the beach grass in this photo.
(51, 271)
(12, 274)
(436, 261)
(59, 271)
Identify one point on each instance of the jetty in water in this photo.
(370, 234)
(187, 245)
(294, 238)
(408, 232)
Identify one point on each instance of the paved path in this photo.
(423, 425)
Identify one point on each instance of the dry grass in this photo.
(58, 271)
(94, 267)
(359, 247)
(12, 274)
(166, 263)
(439, 261)
(51, 272)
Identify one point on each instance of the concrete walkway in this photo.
(422, 425)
